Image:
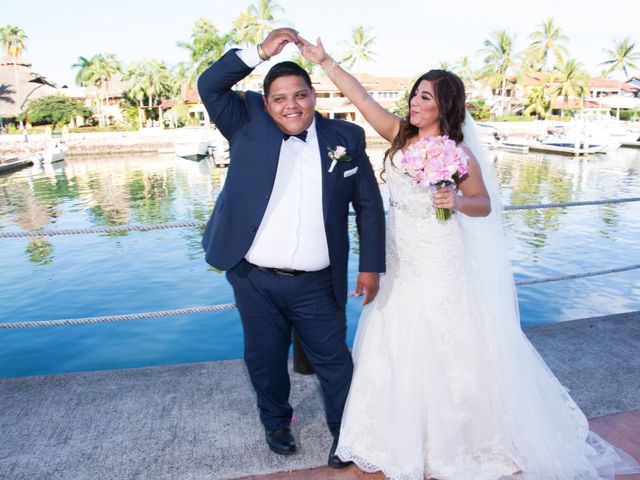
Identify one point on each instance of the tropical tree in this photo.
(14, 43)
(307, 65)
(401, 107)
(479, 110)
(151, 81)
(255, 23)
(465, 71)
(572, 81)
(539, 102)
(54, 110)
(500, 60)
(136, 92)
(622, 57)
(359, 50)
(206, 46)
(97, 71)
(546, 42)
(444, 65)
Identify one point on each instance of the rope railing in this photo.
(231, 306)
(164, 226)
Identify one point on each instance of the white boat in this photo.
(577, 138)
(219, 154)
(488, 135)
(55, 152)
(192, 150)
(512, 146)
(566, 149)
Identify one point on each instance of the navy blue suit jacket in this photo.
(255, 142)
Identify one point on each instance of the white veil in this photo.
(534, 397)
(485, 242)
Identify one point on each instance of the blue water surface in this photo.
(48, 278)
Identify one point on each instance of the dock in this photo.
(15, 163)
(199, 421)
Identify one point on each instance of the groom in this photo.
(280, 228)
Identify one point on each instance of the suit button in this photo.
(254, 229)
(266, 197)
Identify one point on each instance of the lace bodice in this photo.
(416, 239)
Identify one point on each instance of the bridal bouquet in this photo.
(436, 162)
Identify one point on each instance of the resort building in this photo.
(603, 93)
(330, 101)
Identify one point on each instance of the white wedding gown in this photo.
(442, 387)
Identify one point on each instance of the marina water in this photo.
(48, 278)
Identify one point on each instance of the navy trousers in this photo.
(270, 304)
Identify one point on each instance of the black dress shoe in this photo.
(334, 460)
(281, 441)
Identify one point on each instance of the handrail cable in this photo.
(164, 226)
(230, 306)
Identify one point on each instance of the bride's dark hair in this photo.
(450, 98)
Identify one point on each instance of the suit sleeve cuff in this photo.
(250, 56)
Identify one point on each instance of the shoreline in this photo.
(156, 139)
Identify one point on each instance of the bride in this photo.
(445, 384)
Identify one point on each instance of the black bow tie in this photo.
(302, 136)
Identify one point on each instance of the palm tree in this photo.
(546, 42)
(539, 102)
(151, 80)
(206, 46)
(572, 81)
(359, 51)
(136, 75)
(622, 57)
(14, 43)
(255, 23)
(465, 71)
(500, 60)
(97, 71)
(107, 66)
(307, 65)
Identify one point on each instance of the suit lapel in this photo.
(327, 139)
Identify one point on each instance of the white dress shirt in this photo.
(292, 233)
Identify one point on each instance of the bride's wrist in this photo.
(328, 64)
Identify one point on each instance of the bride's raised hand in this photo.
(313, 53)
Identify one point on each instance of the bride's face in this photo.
(424, 109)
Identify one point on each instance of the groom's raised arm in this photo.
(226, 108)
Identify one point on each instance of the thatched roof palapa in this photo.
(31, 85)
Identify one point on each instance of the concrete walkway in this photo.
(199, 421)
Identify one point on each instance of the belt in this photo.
(286, 272)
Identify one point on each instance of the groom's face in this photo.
(291, 104)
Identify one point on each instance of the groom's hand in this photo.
(278, 39)
(370, 283)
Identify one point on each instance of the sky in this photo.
(411, 36)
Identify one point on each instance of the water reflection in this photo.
(87, 275)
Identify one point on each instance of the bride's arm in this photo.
(474, 201)
(383, 121)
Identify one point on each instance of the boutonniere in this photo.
(338, 154)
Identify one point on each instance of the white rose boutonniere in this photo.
(338, 154)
